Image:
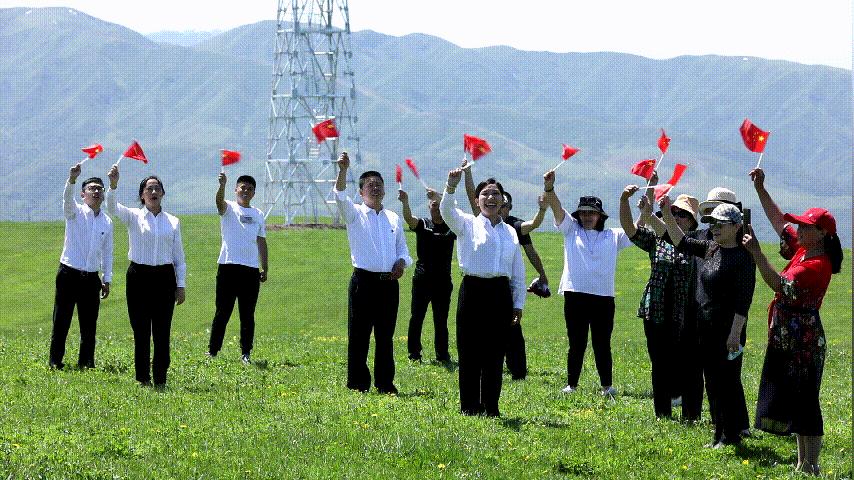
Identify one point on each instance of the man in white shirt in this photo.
(379, 254)
(88, 248)
(238, 275)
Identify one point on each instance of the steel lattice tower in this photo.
(312, 81)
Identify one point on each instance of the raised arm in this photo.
(452, 215)
(534, 223)
(114, 208)
(766, 270)
(221, 207)
(69, 206)
(407, 212)
(772, 211)
(469, 181)
(551, 197)
(626, 220)
(345, 205)
(673, 229)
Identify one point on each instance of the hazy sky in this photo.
(808, 32)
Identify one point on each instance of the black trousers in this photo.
(661, 346)
(372, 305)
(582, 311)
(484, 315)
(517, 361)
(83, 289)
(150, 294)
(727, 404)
(240, 283)
(432, 289)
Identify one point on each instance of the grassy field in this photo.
(290, 416)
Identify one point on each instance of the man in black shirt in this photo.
(431, 282)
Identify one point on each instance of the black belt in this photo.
(73, 271)
(372, 275)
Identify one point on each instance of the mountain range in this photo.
(68, 79)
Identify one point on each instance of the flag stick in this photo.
(423, 183)
(558, 165)
(468, 165)
(84, 160)
(119, 160)
(760, 159)
(655, 168)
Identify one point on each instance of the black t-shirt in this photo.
(434, 245)
(516, 223)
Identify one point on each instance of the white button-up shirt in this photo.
(152, 239)
(484, 250)
(88, 244)
(376, 238)
(589, 257)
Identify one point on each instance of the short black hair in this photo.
(92, 180)
(488, 181)
(247, 179)
(508, 200)
(370, 173)
(144, 181)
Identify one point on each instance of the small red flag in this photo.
(93, 150)
(398, 173)
(230, 157)
(664, 189)
(644, 168)
(411, 165)
(325, 129)
(477, 147)
(753, 136)
(568, 151)
(135, 152)
(663, 142)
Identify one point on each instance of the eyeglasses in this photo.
(94, 188)
(678, 212)
(153, 189)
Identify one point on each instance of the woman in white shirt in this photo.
(156, 276)
(587, 283)
(491, 295)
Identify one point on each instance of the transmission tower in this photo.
(312, 81)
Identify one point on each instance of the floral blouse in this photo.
(668, 290)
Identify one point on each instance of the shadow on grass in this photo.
(417, 394)
(645, 395)
(763, 455)
(514, 423)
(449, 365)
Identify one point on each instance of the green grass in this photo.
(290, 415)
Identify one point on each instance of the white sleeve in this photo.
(69, 206)
(517, 280)
(401, 246)
(453, 216)
(178, 259)
(623, 240)
(107, 255)
(116, 209)
(345, 206)
(568, 225)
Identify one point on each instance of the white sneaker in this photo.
(568, 389)
(676, 402)
(245, 359)
(609, 392)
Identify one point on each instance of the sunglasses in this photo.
(678, 212)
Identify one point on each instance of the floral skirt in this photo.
(791, 375)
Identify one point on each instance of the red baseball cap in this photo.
(814, 216)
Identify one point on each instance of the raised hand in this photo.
(74, 173)
(343, 161)
(222, 179)
(758, 177)
(454, 177)
(402, 196)
(628, 192)
(549, 180)
(113, 175)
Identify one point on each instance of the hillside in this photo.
(60, 89)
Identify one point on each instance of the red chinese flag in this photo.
(411, 165)
(568, 151)
(325, 129)
(477, 147)
(398, 173)
(664, 189)
(93, 150)
(644, 168)
(753, 136)
(230, 157)
(135, 152)
(663, 142)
